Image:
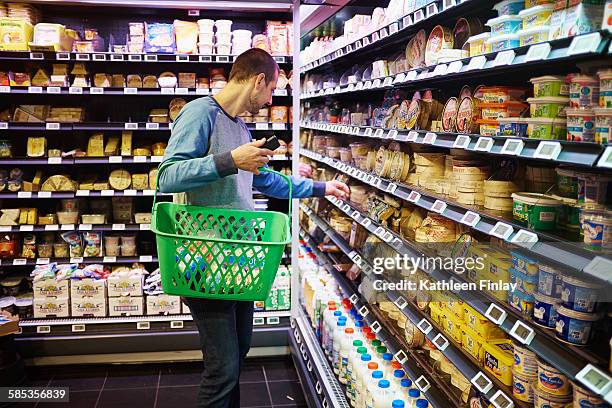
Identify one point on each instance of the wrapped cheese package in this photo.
(186, 36)
(159, 38)
(277, 34)
(37, 146)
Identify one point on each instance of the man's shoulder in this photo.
(202, 105)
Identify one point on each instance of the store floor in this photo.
(265, 383)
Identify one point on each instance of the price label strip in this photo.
(525, 239)
(522, 332)
(482, 382)
(412, 136)
(513, 147)
(548, 150)
(595, 379)
(440, 342)
(502, 230)
(470, 218)
(501, 400)
(424, 326)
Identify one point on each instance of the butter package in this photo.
(126, 306)
(51, 288)
(163, 304)
(51, 307)
(481, 325)
(498, 359)
(88, 306)
(124, 286)
(452, 326)
(472, 343)
(94, 288)
(15, 34)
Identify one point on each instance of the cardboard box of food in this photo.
(95, 288)
(163, 304)
(50, 306)
(51, 288)
(124, 286)
(91, 306)
(126, 306)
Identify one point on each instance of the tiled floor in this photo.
(264, 383)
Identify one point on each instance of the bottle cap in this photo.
(414, 393)
(358, 324)
(343, 318)
(372, 365)
(387, 356)
(357, 343)
(422, 403)
(366, 357)
(331, 303)
(367, 331)
(398, 373)
(359, 318)
(384, 384)
(397, 404)
(406, 383)
(377, 374)
(362, 350)
(370, 336)
(396, 365)
(331, 307)
(376, 343)
(381, 349)
(337, 313)
(349, 330)
(341, 323)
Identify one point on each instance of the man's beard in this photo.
(253, 107)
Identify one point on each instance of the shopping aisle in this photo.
(264, 383)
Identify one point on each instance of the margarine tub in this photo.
(603, 125)
(498, 359)
(472, 343)
(549, 281)
(569, 213)
(478, 44)
(584, 398)
(580, 294)
(596, 226)
(605, 88)
(593, 188)
(534, 35)
(522, 387)
(506, 24)
(525, 361)
(546, 128)
(521, 302)
(567, 182)
(549, 85)
(512, 127)
(584, 91)
(480, 324)
(552, 381)
(580, 124)
(538, 211)
(542, 399)
(525, 283)
(509, 7)
(503, 42)
(545, 310)
(523, 263)
(536, 16)
(547, 106)
(575, 327)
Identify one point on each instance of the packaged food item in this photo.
(549, 281)
(580, 124)
(498, 359)
(449, 115)
(15, 34)
(582, 17)
(525, 361)
(159, 38)
(73, 239)
(549, 85)
(479, 45)
(603, 125)
(500, 94)
(521, 302)
(440, 38)
(545, 310)
(509, 7)
(546, 128)
(536, 16)
(585, 398)
(467, 115)
(534, 35)
(512, 126)
(415, 50)
(522, 387)
(505, 24)
(605, 88)
(575, 327)
(93, 244)
(579, 294)
(186, 36)
(584, 91)
(495, 111)
(547, 107)
(503, 42)
(537, 211)
(128, 246)
(596, 226)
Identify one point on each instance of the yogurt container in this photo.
(547, 106)
(538, 211)
(605, 88)
(596, 224)
(525, 283)
(525, 361)
(579, 295)
(542, 399)
(544, 310)
(536, 16)
(478, 44)
(503, 42)
(223, 26)
(506, 24)
(524, 264)
(522, 302)
(584, 398)
(584, 91)
(552, 381)
(512, 127)
(603, 125)
(567, 182)
(569, 214)
(549, 281)
(509, 7)
(580, 124)
(546, 128)
(534, 35)
(575, 327)
(522, 386)
(549, 85)
(592, 188)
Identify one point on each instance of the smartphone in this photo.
(271, 143)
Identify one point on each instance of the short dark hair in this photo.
(251, 63)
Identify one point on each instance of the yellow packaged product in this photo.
(51, 37)
(498, 359)
(436, 313)
(15, 34)
(472, 343)
(452, 326)
(456, 306)
(480, 324)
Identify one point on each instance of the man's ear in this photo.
(260, 80)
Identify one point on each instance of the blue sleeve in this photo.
(187, 148)
(275, 186)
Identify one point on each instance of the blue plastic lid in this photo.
(377, 374)
(343, 318)
(397, 404)
(341, 323)
(359, 318)
(337, 313)
(358, 324)
(398, 373)
(406, 383)
(387, 356)
(366, 357)
(384, 384)
(422, 403)
(414, 393)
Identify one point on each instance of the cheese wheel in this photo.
(103, 80)
(465, 92)
(58, 183)
(175, 107)
(470, 198)
(440, 38)
(429, 159)
(471, 186)
(140, 181)
(494, 188)
(498, 203)
(449, 115)
(153, 178)
(412, 117)
(120, 179)
(470, 170)
(464, 29)
(415, 50)
(467, 115)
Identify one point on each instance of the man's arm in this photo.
(275, 186)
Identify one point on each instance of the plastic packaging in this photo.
(536, 16)
(596, 224)
(575, 327)
(580, 125)
(534, 35)
(478, 44)
(579, 294)
(584, 91)
(547, 107)
(506, 24)
(549, 85)
(547, 128)
(603, 125)
(504, 42)
(509, 7)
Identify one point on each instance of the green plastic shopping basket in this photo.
(218, 253)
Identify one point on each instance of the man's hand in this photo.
(305, 170)
(337, 189)
(250, 157)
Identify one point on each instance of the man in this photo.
(216, 165)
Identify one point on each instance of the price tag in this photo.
(448, 4)
(418, 15)
(400, 356)
(375, 37)
(280, 92)
(501, 230)
(278, 126)
(364, 311)
(522, 332)
(355, 214)
(117, 57)
(26, 228)
(354, 298)
(44, 194)
(367, 85)
(109, 259)
(366, 222)
(399, 78)
(5, 228)
(261, 126)
(5, 89)
(548, 150)
(67, 227)
(584, 44)
(484, 144)
(145, 227)
(139, 159)
(54, 160)
(107, 193)
(501, 400)
(376, 83)
(85, 227)
(96, 90)
(185, 58)
(391, 134)
(148, 192)
(82, 57)
(482, 382)
(422, 384)
(504, 58)
(538, 52)
(606, 158)
(355, 130)
(376, 327)
(76, 260)
(424, 326)
(391, 187)
(130, 91)
(115, 159)
(62, 56)
(432, 9)
(525, 238)
(52, 227)
(393, 28)
(595, 379)
(181, 91)
(178, 324)
(99, 57)
(383, 33)
(3, 125)
(367, 132)
(75, 90)
(202, 91)
(438, 206)
(379, 133)
(414, 197)
(146, 258)
(24, 194)
(513, 147)
(358, 44)
(20, 262)
(470, 218)
(406, 22)
(440, 342)
(118, 227)
(440, 70)
(134, 57)
(37, 56)
(82, 193)
(388, 81)
(430, 138)
(42, 261)
(461, 142)
(43, 329)
(131, 126)
(52, 126)
(401, 302)
(476, 63)
(412, 136)
(599, 267)
(167, 91)
(359, 86)
(152, 126)
(34, 89)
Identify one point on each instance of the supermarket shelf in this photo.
(414, 370)
(575, 153)
(388, 36)
(36, 91)
(124, 58)
(81, 193)
(75, 227)
(108, 126)
(570, 360)
(466, 365)
(67, 161)
(306, 349)
(80, 260)
(550, 248)
(535, 60)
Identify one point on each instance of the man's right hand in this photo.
(250, 156)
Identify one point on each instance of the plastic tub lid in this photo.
(479, 37)
(512, 120)
(589, 317)
(579, 111)
(605, 73)
(549, 99)
(548, 121)
(503, 37)
(536, 9)
(546, 299)
(536, 199)
(585, 78)
(24, 302)
(384, 384)
(603, 111)
(533, 30)
(505, 3)
(7, 301)
(547, 78)
(503, 19)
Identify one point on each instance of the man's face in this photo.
(261, 94)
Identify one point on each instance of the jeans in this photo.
(226, 328)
